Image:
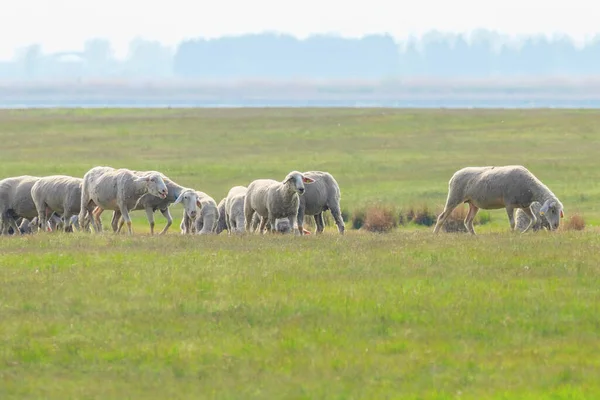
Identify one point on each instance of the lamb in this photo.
(206, 221)
(221, 224)
(150, 203)
(60, 194)
(491, 188)
(116, 189)
(234, 209)
(16, 201)
(271, 200)
(522, 220)
(322, 195)
(282, 225)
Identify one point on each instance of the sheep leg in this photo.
(248, 214)
(510, 211)
(184, 226)
(532, 218)
(300, 219)
(263, 224)
(336, 213)
(126, 217)
(41, 219)
(470, 217)
(319, 222)
(255, 222)
(291, 222)
(150, 217)
(67, 220)
(167, 214)
(96, 217)
(451, 204)
(12, 223)
(228, 223)
(116, 220)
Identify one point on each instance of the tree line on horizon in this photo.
(483, 54)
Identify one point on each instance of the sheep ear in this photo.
(306, 179)
(179, 198)
(198, 203)
(562, 214)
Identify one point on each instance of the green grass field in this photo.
(399, 315)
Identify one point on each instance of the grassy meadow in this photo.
(365, 315)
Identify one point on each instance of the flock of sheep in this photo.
(59, 202)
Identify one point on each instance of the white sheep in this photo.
(206, 220)
(60, 194)
(522, 220)
(271, 200)
(176, 194)
(107, 188)
(282, 225)
(322, 195)
(490, 188)
(221, 224)
(16, 201)
(234, 209)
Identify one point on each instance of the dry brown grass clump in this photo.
(456, 220)
(380, 219)
(574, 223)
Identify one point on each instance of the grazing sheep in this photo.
(16, 201)
(60, 194)
(271, 200)
(206, 221)
(522, 220)
(491, 188)
(322, 195)
(176, 194)
(221, 224)
(116, 189)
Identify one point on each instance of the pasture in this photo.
(399, 315)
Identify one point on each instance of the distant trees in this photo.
(286, 57)
(481, 54)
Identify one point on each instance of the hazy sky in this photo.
(65, 24)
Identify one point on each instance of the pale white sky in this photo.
(65, 24)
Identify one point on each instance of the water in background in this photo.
(417, 103)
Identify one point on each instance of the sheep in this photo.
(271, 200)
(282, 225)
(60, 194)
(150, 203)
(116, 189)
(206, 221)
(221, 224)
(234, 209)
(322, 195)
(522, 220)
(490, 188)
(16, 201)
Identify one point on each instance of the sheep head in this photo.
(156, 185)
(191, 202)
(295, 182)
(553, 212)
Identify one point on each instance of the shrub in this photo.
(419, 216)
(380, 219)
(358, 219)
(345, 216)
(574, 223)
